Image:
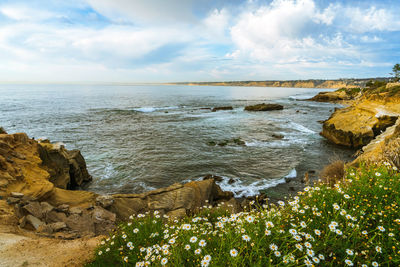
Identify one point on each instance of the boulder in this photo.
(105, 201)
(35, 222)
(80, 223)
(57, 226)
(2, 131)
(34, 208)
(221, 108)
(263, 107)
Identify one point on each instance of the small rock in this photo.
(75, 210)
(292, 188)
(239, 141)
(211, 176)
(46, 207)
(57, 226)
(34, 208)
(63, 208)
(45, 229)
(2, 131)
(18, 211)
(17, 194)
(278, 136)
(311, 171)
(35, 222)
(54, 216)
(22, 222)
(211, 143)
(231, 181)
(12, 200)
(287, 180)
(105, 201)
(66, 236)
(223, 143)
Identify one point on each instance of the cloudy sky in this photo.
(196, 40)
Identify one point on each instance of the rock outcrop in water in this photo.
(221, 108)
(359, 124)
(370, 113)
(263, 107)
(330, 97)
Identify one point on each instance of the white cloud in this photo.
(149, 11)
(372, 19)
(280, 33)
(215, 25)
(25, 13)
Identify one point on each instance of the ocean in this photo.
(141, 137)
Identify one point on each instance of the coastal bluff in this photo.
(368, 113)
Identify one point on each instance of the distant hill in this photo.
(339, 83)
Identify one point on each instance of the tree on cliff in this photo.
(396, 72)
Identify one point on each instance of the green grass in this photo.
(355, 222)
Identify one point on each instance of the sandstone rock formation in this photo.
(35, 178)
(330, 97)
(263, 107)
(359, 124)
(384, 148)
(175, 201)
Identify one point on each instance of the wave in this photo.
(240, 189)
(152, 109)
(301, 128)
(286, 142)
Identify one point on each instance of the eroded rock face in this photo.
(67, 169)
(357, 125)
(330, 97)
(176, 199)
(263, 107)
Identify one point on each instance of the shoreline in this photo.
(53, 165)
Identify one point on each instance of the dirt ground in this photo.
(29, 250)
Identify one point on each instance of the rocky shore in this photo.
(41, 205)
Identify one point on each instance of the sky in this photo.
(196, 40)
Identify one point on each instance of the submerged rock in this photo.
(263, 107)
(222, 108)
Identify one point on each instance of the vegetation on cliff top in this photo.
(354, 222)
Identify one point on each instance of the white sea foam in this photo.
(301, 128)
(152, 109)
(241, 190)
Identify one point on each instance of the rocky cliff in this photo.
(358, 124)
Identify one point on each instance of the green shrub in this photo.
(354, 222)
